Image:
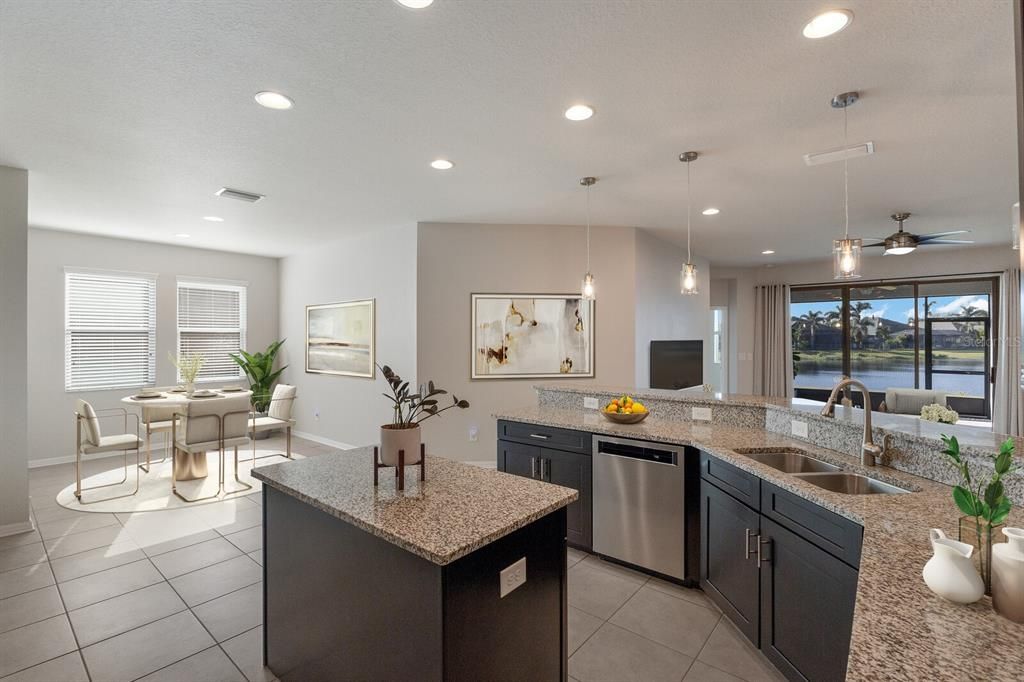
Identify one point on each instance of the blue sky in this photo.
(899, 309)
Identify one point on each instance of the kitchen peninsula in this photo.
(364, 582)
(832, 560)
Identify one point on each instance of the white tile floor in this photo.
(175, 596)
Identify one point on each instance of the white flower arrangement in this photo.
(188, 366)
(939, 413)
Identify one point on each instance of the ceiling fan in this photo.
(899, 243)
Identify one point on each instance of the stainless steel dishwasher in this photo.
(639, 504)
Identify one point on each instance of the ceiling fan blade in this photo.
(949, 241)
(939, 235)
(871, 246)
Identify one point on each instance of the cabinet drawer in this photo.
(547, 436)
(833, 533)
(744, 486)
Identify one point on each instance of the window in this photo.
(930, 334)
(109, 330)
(211, 322)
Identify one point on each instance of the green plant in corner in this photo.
(986, 503)
(259, 369)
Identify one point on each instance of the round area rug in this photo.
(155, 487)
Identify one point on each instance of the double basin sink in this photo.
(819, 473)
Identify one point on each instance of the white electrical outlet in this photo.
(799, 428)
(512, 577)
(702, 414)
(590, 403)
(474, 434)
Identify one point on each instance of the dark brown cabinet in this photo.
(785, 573)
(567, 468)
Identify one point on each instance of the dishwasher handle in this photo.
(653, 453)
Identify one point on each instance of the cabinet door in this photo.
(728, 571)
(519, 459)
(807, 598)
(573, 471)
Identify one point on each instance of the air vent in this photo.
(229, 193)
(838, 154)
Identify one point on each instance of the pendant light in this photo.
(846, 251)
(587, 289)
(688, 275)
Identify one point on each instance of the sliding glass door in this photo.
(929, 334)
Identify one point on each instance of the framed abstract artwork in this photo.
(532, 336)
(340, 338)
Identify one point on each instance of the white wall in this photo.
(14, 516)
(50, 407)
(456, 260)
(661, 311)
(381, 265)
(922, 263)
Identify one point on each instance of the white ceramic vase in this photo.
(1008, 575)
(394, 439)
(950, 573)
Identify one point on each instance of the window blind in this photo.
(109, 330)
(211, 322)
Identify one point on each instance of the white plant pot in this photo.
(392, 440)
(950, 573)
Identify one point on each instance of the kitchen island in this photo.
(372, 583)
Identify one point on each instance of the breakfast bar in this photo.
(458, 577)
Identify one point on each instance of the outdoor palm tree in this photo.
(811, 320)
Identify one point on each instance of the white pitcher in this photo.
(1008, 575)
(950, 573)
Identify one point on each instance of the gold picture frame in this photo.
(341, 338)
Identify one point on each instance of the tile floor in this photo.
(175, 596)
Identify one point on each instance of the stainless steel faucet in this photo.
(869, 452)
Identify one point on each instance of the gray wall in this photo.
(14, 515)
(380, 265)
(50, 407)
(661, 311)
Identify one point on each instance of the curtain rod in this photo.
(960, 275)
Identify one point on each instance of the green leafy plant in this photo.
(188, 365)
(259, 368)
(410, 409)
(987, 503)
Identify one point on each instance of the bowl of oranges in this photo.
(625, 410)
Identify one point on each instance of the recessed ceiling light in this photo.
(213, 218)
(441, 164)
(767, 252)
(828, 23)
(579, 112)
(182, 235)
(415, 4)
(710, 211)
(273, 100)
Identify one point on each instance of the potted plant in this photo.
(409, 410)
(259, 369)
(985, 506)
(189, 367)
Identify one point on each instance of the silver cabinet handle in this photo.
(760, 558)
(545, 469)
(746, 542)
(533, 467)
(541, 436)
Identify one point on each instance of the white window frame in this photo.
(74, 383)
(213, 284)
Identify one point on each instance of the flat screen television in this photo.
(677, 364)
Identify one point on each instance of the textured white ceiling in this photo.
(131, 114)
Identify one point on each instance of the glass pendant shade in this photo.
(846, 258)
(587, 290)
(688, 279)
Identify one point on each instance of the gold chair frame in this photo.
(104, 414)
(149, 448)
(287, 431)
(221, 488)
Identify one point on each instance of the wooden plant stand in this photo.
(400, 469)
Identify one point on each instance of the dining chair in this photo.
(89, 440)
(279, 416)
(202, 425)
(157, 420)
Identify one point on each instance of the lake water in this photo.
(880, 374)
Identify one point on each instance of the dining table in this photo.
(187, 466)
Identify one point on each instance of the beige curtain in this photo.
(1007, 415)
(773, 341)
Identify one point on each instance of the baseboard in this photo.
(15, 528)
(324, 441)
(50, 461)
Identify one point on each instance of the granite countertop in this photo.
(901, 630)
(457, 510)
